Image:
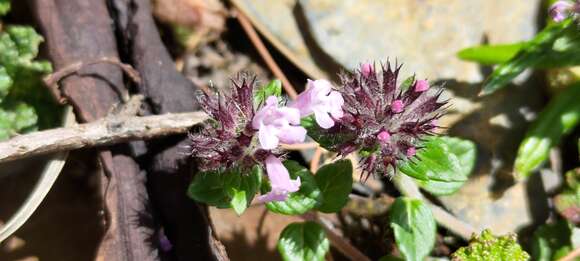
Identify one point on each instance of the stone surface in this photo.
(497, 123)
(423, 34)
(275, 20)
(254, 234)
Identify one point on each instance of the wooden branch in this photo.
(263, 51)
(335, 239)
(82, 32)
(110, 130)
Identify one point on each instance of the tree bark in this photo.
(79, 31)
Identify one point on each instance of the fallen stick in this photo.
(335, 239)
(109, 130)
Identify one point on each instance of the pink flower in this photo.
(411, 151)
(367, 69)
(421, 86)
(280, 181)
(277, 125)
(397, 106)
(320, 99)
(384, 136)
(560, 10)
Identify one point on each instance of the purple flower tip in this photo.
(366, 69)
(319, 99)
(411, 152)
(560, 10)
(164, 242)
(280, 181)
(434, 122)
(397, 106)
(384, 136)
(421, 86)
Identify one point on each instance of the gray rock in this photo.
(425, 35)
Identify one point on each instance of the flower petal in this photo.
(292, 115)
(268, 137)
(272, 196)
(323, 119)
(320, 88)
(304, 100)
(335, 102)
(292, 134)
(279, 177)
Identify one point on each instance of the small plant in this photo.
(488, 247)
(556, 46)
(24, 103)
(391, 125)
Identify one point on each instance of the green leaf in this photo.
(208, 187)
(414, 228)
(335, 183)
(490, 54)
(407, 83)
(25, 104)
(488, 247)
(273, 88)
(243, 191)
(5, 83)
(558, 118)
(531, 54)
(465, 151)
(302, 200)
(228, 188)
(443, 165)
(552, 241)
(16, 118)
(239, 202)
(303, 241)
(26, 41)
(326, 139)
(4, 7)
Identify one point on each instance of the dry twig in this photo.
(300, 146)
(253, 35)
(315, 159)
(52, 79)
(337, 241)
(110, 130)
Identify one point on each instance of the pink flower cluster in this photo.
(243, 135)
(277, 124)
